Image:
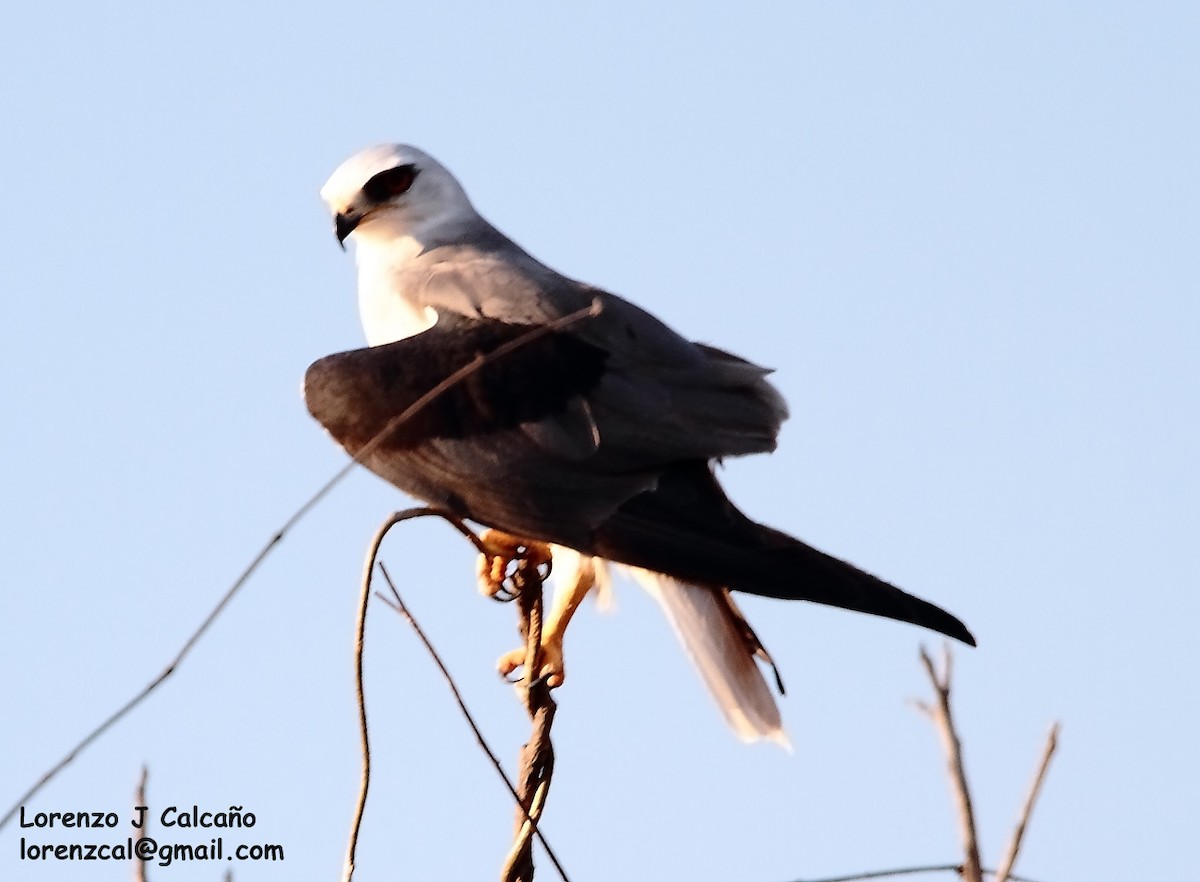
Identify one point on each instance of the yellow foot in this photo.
(552, 669)
(492, 569)
(495, 569)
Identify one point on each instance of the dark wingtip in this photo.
(927, 615)
(959, 632)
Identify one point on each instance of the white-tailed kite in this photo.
(598, 439)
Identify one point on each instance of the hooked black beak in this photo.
(343, 226)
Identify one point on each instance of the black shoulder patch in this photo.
(355, 394)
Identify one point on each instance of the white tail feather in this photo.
(714, 639)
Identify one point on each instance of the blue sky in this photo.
(965, 237)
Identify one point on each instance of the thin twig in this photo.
(399, 606)
(139, 801)
(360, 629)
(883, 874)
(457, 377)
(1014, 846)
(972, 868)
(359, 642)
(940, 713)
(906, 871)
(137, 699)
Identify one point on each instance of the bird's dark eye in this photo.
(390, 184)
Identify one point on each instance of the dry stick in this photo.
(941, 715)
(905, 871)
(972, 869)
(399, 606)
(537, 755)
(1014, 846)
(139, 799)
(359, 637)
(364, 740)
(455, 378)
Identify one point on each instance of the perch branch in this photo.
(537, 754)
(397, 604)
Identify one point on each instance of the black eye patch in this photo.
(390, 184)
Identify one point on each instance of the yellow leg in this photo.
(576, 582)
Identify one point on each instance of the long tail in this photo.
(723, 648)
(687, 528)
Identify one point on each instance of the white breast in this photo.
(386, 312)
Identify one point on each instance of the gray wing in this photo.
(661, 398)
(514, 445)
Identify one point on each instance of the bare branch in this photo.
(906, 871)
(359, 642)
(884, 874)
(139, 799)
(360, 629)
(455, 378)
(940, 713)
(399, 606)
(1014, 846)
(972, 868)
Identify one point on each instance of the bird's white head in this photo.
(394, 191)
